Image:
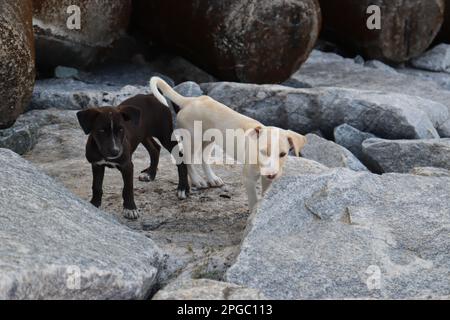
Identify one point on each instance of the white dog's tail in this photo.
(157, 84)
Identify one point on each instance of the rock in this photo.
(406, 30)
(17, 71)
(75, 95)
(241, 42)
(297, 166)
(359, 60)
(56, 246)
(189, 89)
(351, 139)
(442, 79)
(20, 138)
(102, 23)
(65, 73)
(444, 34)
(204, 289)
(306, 110)
(120, 75)
(347, 235)
(375, 64)
(404, 155)
(330, 70)
(180, 69)
(430, 172)
(330, 154)
(437, 59)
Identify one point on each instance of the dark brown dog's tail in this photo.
(157, 84)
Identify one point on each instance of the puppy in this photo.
(114, 135)
(263, 152)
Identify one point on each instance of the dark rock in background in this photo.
(103, 23)
(444, 34)
(247, 41)
(16, 59)
(179, 69)
(407, 27)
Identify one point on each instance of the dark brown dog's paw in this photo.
(131, 214)
(182, 194)
(96, 203)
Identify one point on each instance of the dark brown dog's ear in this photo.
(86, 118)
(131, 114)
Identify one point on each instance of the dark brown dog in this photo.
(114, 135)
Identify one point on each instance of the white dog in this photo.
(263, 153)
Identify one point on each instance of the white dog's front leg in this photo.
(251, 177)
(266, 183)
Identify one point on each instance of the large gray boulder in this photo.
(330, 154)
(347, 235)
(56, 246)
(330, 70)
(405, 155)
(392, 116)
(351, 139)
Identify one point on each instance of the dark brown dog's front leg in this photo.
(130, 210)
(98, 172)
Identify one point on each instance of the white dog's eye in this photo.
(283, 154)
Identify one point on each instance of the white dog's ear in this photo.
(255, 132)
(296, 141)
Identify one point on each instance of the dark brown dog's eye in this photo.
(283, 154)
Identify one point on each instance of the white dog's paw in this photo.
(182, 195)
(215, 182)
(199, 183)
(131, 214)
